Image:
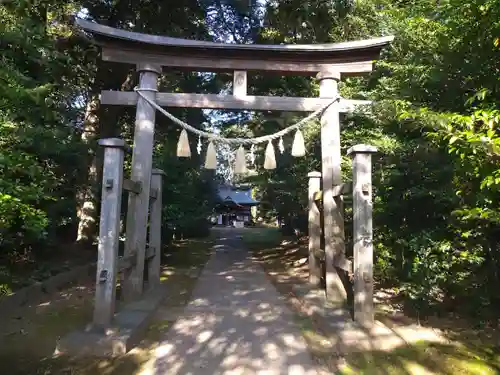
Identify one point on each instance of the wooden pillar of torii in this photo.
(152, 53)
(333, 216)
(142, 165)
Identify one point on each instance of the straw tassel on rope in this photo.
(270, 158)
(211, 157)
(240, 164)
(183, 149)
(298, 146)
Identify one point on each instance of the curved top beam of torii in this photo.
(118, 45)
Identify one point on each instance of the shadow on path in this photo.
(235, 323)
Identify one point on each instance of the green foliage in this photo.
(474, 143)
(436, 176)
(38, 154)
(189, 197)
(49, 126)
(437, 212)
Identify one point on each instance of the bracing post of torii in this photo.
(152, 53)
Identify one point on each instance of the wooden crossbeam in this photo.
(150, 252)
(135, 187)
(228, 64)
(127, 262)
(153, 193)
(132, 186)
(230, 102)
(338, 190)
(122, 46)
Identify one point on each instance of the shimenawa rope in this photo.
(232, 141)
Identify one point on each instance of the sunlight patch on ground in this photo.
(28, 339)
(423, 358)
(285, 263)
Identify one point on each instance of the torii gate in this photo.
(151, 53)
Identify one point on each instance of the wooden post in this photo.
(362, 233)
(314, 229)
(138, 204)
(109, 231)
(154, 263)
(332, 207)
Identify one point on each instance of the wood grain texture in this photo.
(124, 46)
(109, 233)
(155, 219)
(142, 39)
(230, 102)
(297, 66)
(363, 234)
(314, 229)
(138, 204)
(342, 189)
(333, 220)
(240, 84)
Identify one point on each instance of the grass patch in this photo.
(28, 340)
(261, 238)
(188, 253)
(424, 358)
(472, 352)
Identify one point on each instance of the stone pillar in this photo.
(138, 204)
(362, 233)
(331, 171)
(154, 263)
(314, 229)
(109, 232)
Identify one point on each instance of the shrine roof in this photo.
(238, 196)
(123, 40)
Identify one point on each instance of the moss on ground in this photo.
(470, 353)
(424, 358)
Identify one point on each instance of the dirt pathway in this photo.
(235, 323)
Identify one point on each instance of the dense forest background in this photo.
(436, 124)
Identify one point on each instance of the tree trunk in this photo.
(87, 196)
(98, 123)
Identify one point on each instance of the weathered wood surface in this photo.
(165, 41)
(129, 261)
(333, 220)
(338, 190)
(130, 47)
(138, 204)
(150, 252)
(314, 229)
(132, 186)
(154, 262)
(231, 102)
(240, 84)
(363, 233)
(135, 187)
(209, 64)
(109, 232)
